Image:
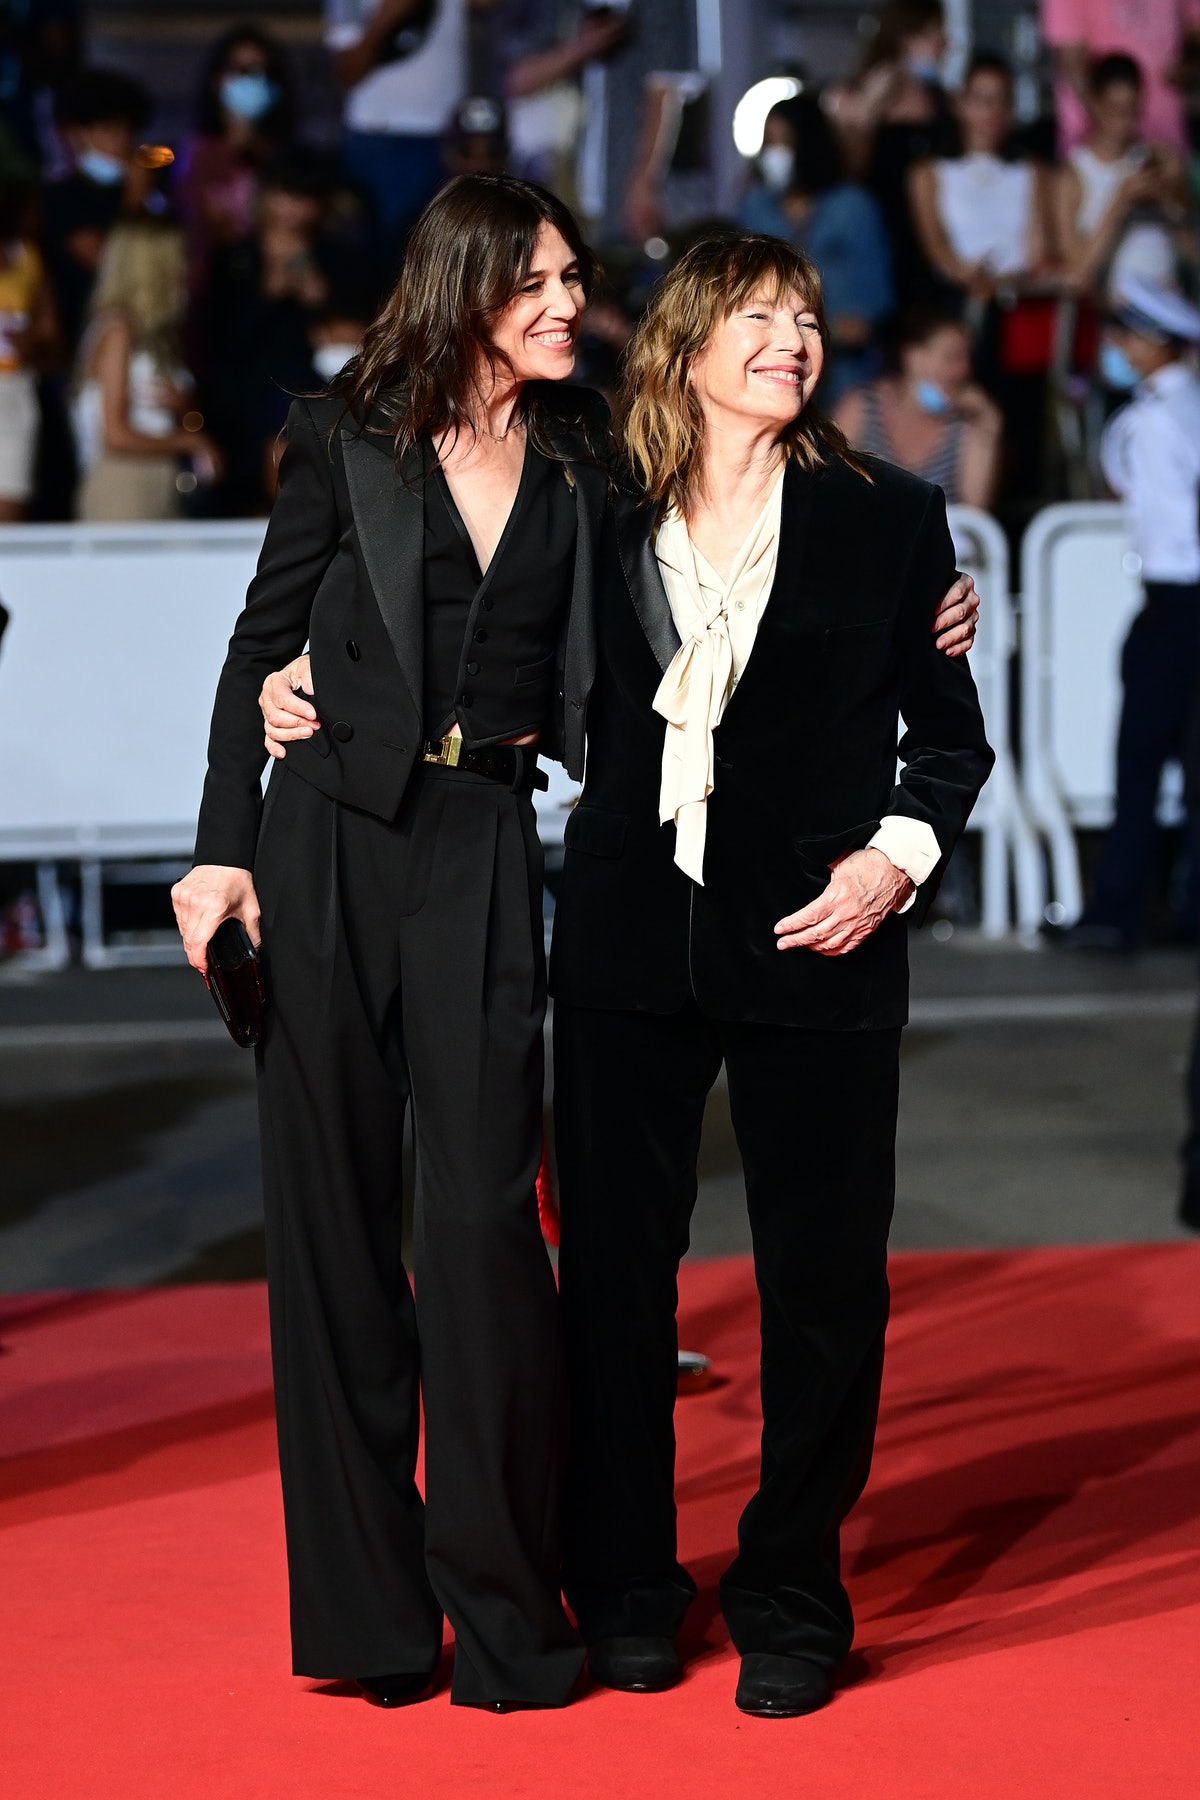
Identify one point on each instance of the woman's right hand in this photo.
(207, 896)
(287, 715)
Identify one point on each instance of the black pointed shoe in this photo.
(780, 1687)
(636, 1665)
(395, 1690)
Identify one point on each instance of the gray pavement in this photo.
(1041, 1103)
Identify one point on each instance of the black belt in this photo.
(513, 764)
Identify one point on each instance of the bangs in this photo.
(771, 270)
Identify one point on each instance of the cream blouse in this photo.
(717, 621)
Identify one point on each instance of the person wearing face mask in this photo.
(803, 196)
(1151, 458)
(337, 332)
(928, 415)
(244, 118)
(895, 113)
(99, 115)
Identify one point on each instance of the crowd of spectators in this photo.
(159, 303)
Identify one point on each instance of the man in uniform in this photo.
(1151, 457)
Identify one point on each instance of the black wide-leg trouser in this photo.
(404, 959)
(814, 1113)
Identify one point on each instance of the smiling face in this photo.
(761, 364)
(537, 330)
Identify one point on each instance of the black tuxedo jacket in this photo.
(341, 571)
(805, 764)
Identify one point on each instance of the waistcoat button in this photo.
(472, 668)
(488, 603)
(352, 650)
(481, 636)
(464, 700)
(341, 731)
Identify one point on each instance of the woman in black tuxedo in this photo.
(732, 893)
(436, 514)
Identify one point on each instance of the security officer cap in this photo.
(1156, 312)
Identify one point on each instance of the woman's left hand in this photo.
(957, 617)
(864, 888)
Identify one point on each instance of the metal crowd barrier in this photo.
(1080, 582)
(118, 633)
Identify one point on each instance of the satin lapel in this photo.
(579, 663)
(390, 519)
(643, 576)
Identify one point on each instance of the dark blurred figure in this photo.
(264, 294)
(100, 115)
(402, 65)
(802, 194)
(39, 50)
(530, 54)
(896, 113)
(477, 141)
(245, 116)
(641, 168)
(929, 415)
(28, 339)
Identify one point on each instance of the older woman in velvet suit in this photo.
(736, 876)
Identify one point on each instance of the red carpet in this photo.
(1025, 1566)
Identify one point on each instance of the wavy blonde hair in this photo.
(660, 422)
(143, 279)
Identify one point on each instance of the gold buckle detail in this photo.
(447, 754)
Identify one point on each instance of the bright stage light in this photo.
(750, 113)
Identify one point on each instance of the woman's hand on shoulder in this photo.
(957, 617)
(207, 896)
(287, 715)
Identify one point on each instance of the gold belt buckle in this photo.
(446, 755)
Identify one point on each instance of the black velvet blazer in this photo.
(805, 764)
(341, 571)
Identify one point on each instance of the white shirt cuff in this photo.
(909, 844)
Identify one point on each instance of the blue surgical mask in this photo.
(923, 68)
(931, 399)
(776, 163)
(248, 94)
(100, 167)
(1116, 370)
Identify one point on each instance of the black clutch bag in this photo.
(235, 983)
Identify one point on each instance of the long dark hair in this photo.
(418, 372)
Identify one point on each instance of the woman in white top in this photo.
(1115, 195)
(982, 221)
(133, 413)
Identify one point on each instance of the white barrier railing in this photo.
(118, 633)
(107, 674)
(1081, 588)
(1009, 845)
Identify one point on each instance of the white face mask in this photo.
(775, 164)
(330, 359)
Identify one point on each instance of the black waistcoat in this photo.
(490, 639)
